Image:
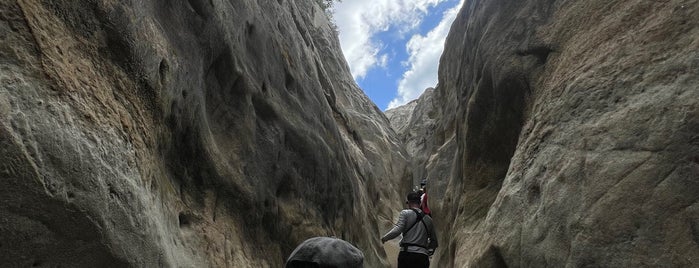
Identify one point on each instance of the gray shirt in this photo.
(417, 235)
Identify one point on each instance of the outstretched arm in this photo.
(397, 229)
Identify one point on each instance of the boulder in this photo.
(325, 252)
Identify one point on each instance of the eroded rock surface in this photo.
(416, 125)
(576, 134)
(184, 134)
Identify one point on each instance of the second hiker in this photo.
(419, 238)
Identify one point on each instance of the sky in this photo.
(393, 46)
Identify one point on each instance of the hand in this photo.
(430, 252)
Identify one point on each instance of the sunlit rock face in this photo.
(576, 134)
(184, 134)
(431, 153)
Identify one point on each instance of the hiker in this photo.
(419, 238)
(423, 198)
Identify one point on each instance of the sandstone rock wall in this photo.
(184, 134)
(576, 134)
(431, 152)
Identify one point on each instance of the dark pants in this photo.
(413, 260)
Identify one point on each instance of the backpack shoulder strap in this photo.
(426, 229)
(419, 218)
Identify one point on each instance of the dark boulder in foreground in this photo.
(326, 252)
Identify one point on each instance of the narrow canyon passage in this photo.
(212, 133)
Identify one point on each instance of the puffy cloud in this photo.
(423, 61)
(359, 20)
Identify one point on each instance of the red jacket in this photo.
(423, 204)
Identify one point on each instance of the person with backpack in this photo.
(419, 237)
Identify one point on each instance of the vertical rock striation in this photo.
(184, 133)
(575, 128)
(416, 123)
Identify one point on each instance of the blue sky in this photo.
(393, 46)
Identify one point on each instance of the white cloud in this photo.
(359, 20)
(423, 62)
(383, 60)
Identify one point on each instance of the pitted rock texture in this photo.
(184, 134)
(577, 134)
